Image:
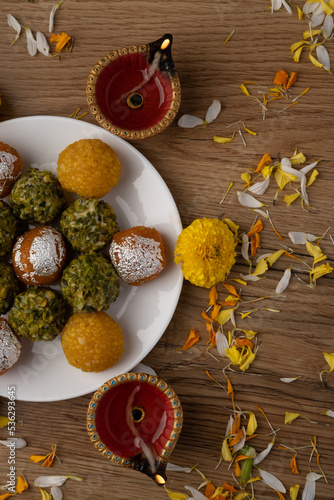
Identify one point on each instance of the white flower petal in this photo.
(18, 442)
(213, 111)
(308, 8)
(248, 201)
(288, 380)
(305, 170)
(52, 16)
(13, 23)
(250, 277)
(141, 368)
(272, 481)
(276, 4)
(329, 413)
(328, 25)
(221, 343)
(197, 495)
(309, 489)
(300, 238)
(287, 6)
(56, 493)
(42, 43)
(317, 19)
(286, 161)
(261, 456)
(260, 187)
(229, 426)
(323, 57)
(245, 247)
(47, 481)
(292, 171)
(303, 189)
(189, 121)
(31, 42)
(284, 281)
(177, 468)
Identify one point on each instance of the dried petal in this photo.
(248, 201)
(284, 281)
(42, 43)
(56, 493)
(294, 492)
(289, 380)
(329, 413)
(315, 251)
(290, 417)
(281, 78)
(31, 42)
(197, 495)
(319, 271)
(309, 489)
(221, 343)
(47, 481)
(213, 111)
(252, 424)
(261, 456)
(224, 140)
(13, 23)
(189, 121)
(4, 421)
(18, 442)
(323, 57)
(300, 238)
(245, 247)
(174, 495)
(315, 61)
(272, 481)
(52, 15)
(328, 25)
(260, 187)
(309, 167)
(192, 339)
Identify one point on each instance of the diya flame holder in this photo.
(134, 110)
(135, 420)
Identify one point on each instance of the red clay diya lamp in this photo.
(134, 92)
(135, 420)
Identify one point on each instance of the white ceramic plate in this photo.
(140, 198)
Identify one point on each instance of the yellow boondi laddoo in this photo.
(89, 167)
(92, 342)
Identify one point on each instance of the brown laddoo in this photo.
(138, 254)
(89, 167)
(92, 342)
(11, 166)
(10, 347)
(39, 256)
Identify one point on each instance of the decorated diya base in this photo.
(135, 420)
(134, 92)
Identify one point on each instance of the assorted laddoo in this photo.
(37, 197)
(9, 287)
(92, 342)
(39, 313)
(10, 347)
(11, 166)
(90, 283)
(39, 256)
(89, 167)
(138, 254)
(8, 228)
(88, 224)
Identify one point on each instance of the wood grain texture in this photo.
(197, 171)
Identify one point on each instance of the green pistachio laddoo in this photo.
(88, 224)
(9, 287)
(38, 314)
(37, 197)
(90, 283)
(89, 167)
(8, 228)
(92, 342)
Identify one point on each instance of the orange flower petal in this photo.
(231, 289)
(242, 342)
(292, 79)
(229, 487)
(281, 78)
(213, 296)
(265, 160)
(205, 316)
(209, 490)
(192, 339)
(215, 311)
(293, 465)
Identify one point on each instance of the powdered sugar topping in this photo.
(10, 347)
(136, 258)
(7, 161)
(47, 252)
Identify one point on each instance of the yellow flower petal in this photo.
(233, 354)
(315, 251)
(291, 198)
(4, 421)
(247, 360)
(224, 316)
(245, 90)
(297, 158)
(297, 54)
(290, 417)
(226, 453)
(223, 140)
(45, 494)
(21, 484)
(261, 267)
(232, 225)
(246, 176)
(272, 258)
(312, 178)
(252, 424)
(315, 61)
(174, 495)
(319, 271)
(294, 492)
(296, 45)
(310, 33)
(330, 360)
(300, 13)
(326, 8)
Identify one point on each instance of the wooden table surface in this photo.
(198, 171)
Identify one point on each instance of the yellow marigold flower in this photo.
(206, 250)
